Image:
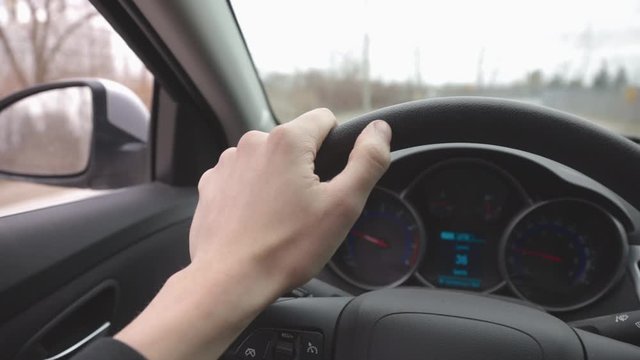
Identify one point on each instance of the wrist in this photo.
(204, 308)
(242, 290)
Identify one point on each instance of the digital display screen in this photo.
(465, 205)
(459, 260)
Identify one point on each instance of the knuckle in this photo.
(224, 158)
(226, 155)
(323, 115)
(251, 138)
(282, 136)
(324, 112)
(205, 179)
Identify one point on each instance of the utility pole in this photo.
(366, 64)
(480, 70)
(366, 74)
(587, 43)
(418, 92)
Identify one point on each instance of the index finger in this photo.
(315, 124)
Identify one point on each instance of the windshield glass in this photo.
(354, 56)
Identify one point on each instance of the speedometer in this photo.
(384, 246)
(465, 205)
(563, 254)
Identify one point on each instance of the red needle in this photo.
(539, 254)
(375, 241)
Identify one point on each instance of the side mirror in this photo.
(80, 133)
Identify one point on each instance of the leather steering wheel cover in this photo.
(596, 152)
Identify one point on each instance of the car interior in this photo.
(503, 229)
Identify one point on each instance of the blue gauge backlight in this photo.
(460, 260)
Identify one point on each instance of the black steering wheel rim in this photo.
(553, 134)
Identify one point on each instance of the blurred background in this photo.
(48, 40)
(580, 56)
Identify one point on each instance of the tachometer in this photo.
(384, 246)
(563, 254)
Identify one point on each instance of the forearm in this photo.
(199, 312)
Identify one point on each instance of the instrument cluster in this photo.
(467, 224)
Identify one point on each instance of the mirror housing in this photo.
(119, 149)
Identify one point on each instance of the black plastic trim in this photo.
(36, 261)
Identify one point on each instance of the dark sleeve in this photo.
(108, 349)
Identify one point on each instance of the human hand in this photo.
(264, 224)
(263, 206)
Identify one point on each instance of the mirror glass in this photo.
(48, 133)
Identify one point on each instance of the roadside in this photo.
(17, 197)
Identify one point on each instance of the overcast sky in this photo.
(454, 40)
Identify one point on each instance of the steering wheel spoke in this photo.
(599, 347)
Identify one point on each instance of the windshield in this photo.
(354, 56)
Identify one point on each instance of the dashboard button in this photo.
(256, 345)
(284, 350)
(311, 346)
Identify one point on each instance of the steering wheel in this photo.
(410, 323)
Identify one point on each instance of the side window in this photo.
(43, 41)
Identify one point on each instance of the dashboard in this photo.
(486, 219)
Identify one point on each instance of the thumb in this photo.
(368, 160)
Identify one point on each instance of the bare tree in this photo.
(602, 79)
(32, 47)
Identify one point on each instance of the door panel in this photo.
(50, 258)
